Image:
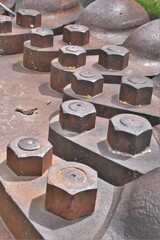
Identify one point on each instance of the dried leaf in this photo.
(29, 111)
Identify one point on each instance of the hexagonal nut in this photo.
(129, 133)
(76, 34)
(41, 37)
(72, 56)
(27, 156)
(113, 57)
(5, 24)
(77, 116)
(28, 18)
(136, 90)
(87, 82)
(71, 190)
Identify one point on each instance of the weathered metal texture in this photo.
(22, 207)
(72, 56)
(42, 37)
(28, 18)
(27, 156)
(77, 116)
(113, 20)
(144, 46)
(76, 34)
(5, 24)
(113, 57)
(87, 82)
(61, 76)
(138, 211)
(156, 85)
(136, 90)
(108, 104)
(4, 232)
(129, 133)
(92, 149)
(55, 13)
(12, 42)
(71, 190)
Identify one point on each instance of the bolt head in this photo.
(129, 133)
(76, 34)
(72, 56)
(42, 37)
(87, 82)
(77, 116)
(27, 156)
(136, 90)
(71, 190)
(28, 18)
(5, 24)
(113, 57)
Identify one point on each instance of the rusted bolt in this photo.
(5, 24)
(28, 18)
(77, 116)
(42, 37)
(113, 57)
(72, 56)
(136, 90)
(129, 133)
(27, 156)
(76, 34)
(71, 190)
(87, 82)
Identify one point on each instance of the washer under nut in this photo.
(77, 116)
(129, 133)
(27, 156)
(71, 190)
(136, 90)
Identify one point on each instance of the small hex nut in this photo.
(5, 24)
(77, 116)
(28, 18)
(129, 133)
(136, 90)
(27, 156)
(71, 190)
(113, 57)
(87, 82)
(76, 34)
(72, 56)
(41, 37)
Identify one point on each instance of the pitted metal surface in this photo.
(125, 204)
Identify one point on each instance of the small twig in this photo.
(7, 9)
(29, 111)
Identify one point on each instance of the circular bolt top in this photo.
(76, 27)
(132, 122)
(88, 74)
(137, 80)
(28, 12)
(29, 144)
(79, 106)
(42, 31)
(72, 48)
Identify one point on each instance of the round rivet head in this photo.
(132, 122)
(72, 48)
(29, 144)
(87, 74)
(78, 106)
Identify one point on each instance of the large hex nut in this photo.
(41, 37)
(71, 190)
(72, 56)
(77, 116)
(5, 24)
(136, 90)
(113, 57)
(28, 18)
(87, 82)
(76, 34)
(129, 133)
(28, 156)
